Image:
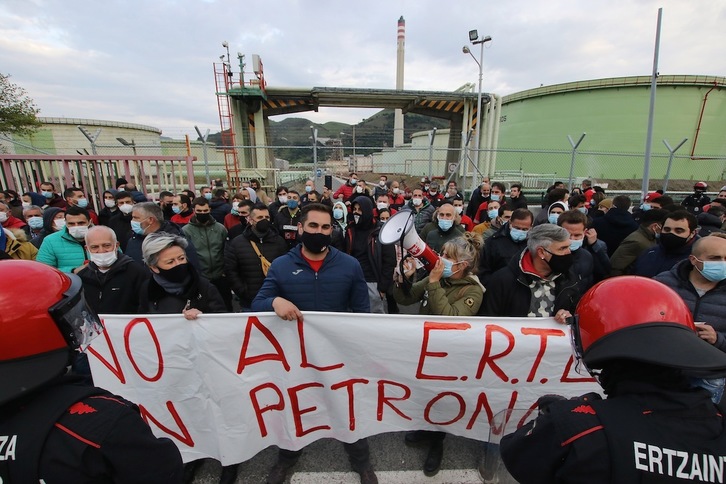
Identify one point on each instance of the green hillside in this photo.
(371, 134)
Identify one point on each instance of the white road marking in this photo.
(445, 476)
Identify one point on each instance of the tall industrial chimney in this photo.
(398, 118)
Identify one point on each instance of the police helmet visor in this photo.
(77, 322)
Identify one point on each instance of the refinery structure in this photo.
(529, 131)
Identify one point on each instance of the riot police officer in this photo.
(53, 428)
(658, 423)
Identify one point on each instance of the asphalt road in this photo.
(325, 461)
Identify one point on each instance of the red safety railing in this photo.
(96, 173)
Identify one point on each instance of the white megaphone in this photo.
(400, 228)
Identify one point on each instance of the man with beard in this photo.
(208, 237)
(247, 257)
(679, 232)
(313, 276)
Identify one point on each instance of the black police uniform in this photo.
(694, 203)
(71, 433)
(643, 435)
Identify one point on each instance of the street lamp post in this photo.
(314, 137)
(475, 40)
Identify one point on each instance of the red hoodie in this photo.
(13, 223)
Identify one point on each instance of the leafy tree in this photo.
(17, 111)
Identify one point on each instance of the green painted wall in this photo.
(615, 120)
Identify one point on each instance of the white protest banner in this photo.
(227, 386)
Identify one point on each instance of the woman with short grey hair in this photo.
(175, 286)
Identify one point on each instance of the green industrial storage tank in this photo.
(534, 126)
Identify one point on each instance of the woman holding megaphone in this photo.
(449, 290)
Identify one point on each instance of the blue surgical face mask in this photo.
(645, 207)
(338, 213)
(448, 268)
(445, 224)
(583, 210)
(714, 271)
(517, 235)
(308, 188)
(136, 227)
(552, 218)
(494, 198)
(82, 202)
(208, 195)
(576, 244)
(47, 194)
(292, 204)
(492, 214)
(176, 208)
(35, 222)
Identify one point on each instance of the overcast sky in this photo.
(150, 62)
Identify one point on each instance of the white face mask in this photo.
(26, 204)
(126, 208)
(105, 259)
(59, 223)
(109, 203)
(282, 199)
(359, 189)
(417, 201)
(3, 217)
(459, 210)
(396, 191)
(78, 232)
(381, 205)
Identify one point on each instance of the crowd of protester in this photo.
(212, 251)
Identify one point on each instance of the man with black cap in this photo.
(658, 423)
(53, 429)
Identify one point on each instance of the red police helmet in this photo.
(640, 319)
(44, 318)
(700, 186)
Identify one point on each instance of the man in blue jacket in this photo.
(313, 276)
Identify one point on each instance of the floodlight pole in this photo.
(574, 152)
(204, 153)
(651, 110)
(672, 151)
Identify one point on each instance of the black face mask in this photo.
(560, 264)
(262, 226)
(177, 273)
(315, 242)
(204, 218)
(671, 241)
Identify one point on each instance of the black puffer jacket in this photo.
(116, 291)
(361, 239)
(497, 252)
(709, 224)
(613, 227)
(242, 265)
(219, 208)
(709, 308)
(508, 293)
(200, 294)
